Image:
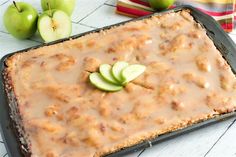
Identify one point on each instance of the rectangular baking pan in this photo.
(221, 40)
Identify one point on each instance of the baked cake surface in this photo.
(63, 115)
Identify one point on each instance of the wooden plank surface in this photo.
(226, 145)
(213, 141)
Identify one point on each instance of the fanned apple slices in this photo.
(113, 78)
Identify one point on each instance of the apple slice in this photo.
(117, 69)
(54, 25)
(105, 70)
(132, 72)
(98, 81)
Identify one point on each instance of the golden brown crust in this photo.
(151, 136)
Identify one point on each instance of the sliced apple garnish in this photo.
(98, 81)
(105, 71)
(117, 69)
(132, 72)
(54, 25)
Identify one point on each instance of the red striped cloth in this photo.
(221, 10)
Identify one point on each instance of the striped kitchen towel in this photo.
(221, 10)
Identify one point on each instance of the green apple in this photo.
(54, 25)
(160, 4)
(20, 19)
(64, 5)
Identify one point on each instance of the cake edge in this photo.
(16, 122)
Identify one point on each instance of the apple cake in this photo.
(186, 81)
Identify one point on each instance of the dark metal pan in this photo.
(221, 40)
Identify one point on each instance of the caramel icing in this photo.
(186, 81)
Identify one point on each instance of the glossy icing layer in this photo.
(186, 80)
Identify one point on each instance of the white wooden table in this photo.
(218, 140)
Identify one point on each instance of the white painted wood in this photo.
(111, 2)
(194, 144)
(9, 44)
(85, 7)
(104, 16)
(133, 154)
(2, 10)
(226, 145)
(78, 28)
(233, 32)
(3, 1)
(2, 150)
(233, 36)
(35, 3)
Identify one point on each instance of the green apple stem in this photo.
(49, 8)
(50, 12)
(17, 7)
